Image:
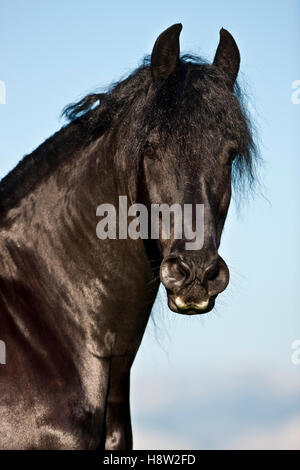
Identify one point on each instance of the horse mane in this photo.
(43, 161)
(121, 94)
(92, 115)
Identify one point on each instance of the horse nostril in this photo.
(211, 273)
(174, 272)
(217, 277)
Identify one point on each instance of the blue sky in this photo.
(221, 380)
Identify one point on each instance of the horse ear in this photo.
(165, 54)
(228, 57)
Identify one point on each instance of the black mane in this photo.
(207, 78)
(93, 115)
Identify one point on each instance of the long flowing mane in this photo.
(122, 94)
(90, 117)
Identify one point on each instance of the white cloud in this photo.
(236, 409)
(145, 439)
(283, 437)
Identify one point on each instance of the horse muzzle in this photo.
(193, 284)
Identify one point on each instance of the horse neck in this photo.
(86, 288)
(56, 222)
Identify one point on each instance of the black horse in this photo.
(73, 308)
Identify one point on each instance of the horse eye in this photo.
(149, 151)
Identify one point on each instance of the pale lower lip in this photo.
(195, 306)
